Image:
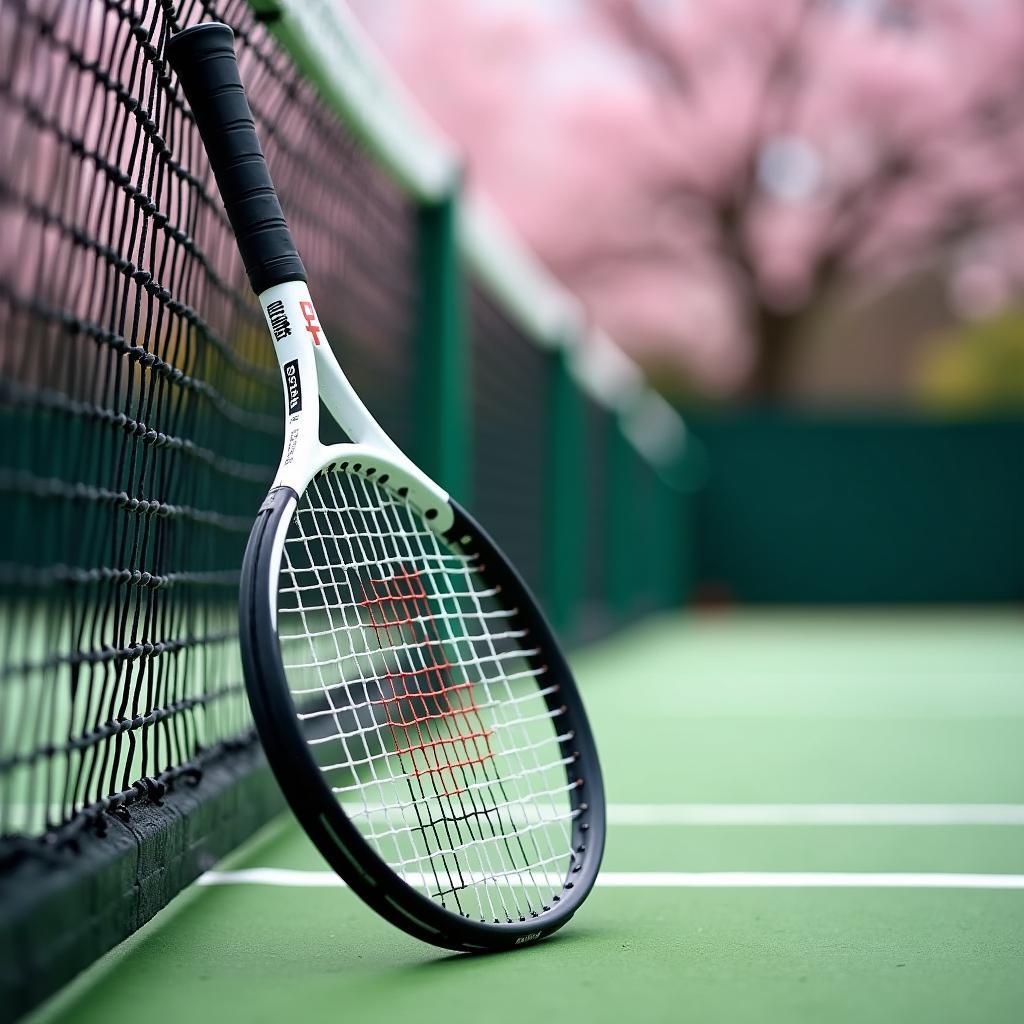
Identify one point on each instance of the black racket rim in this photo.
(319, 812)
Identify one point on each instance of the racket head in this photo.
(417, 710)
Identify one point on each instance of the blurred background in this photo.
(819, 203)
(805, 220)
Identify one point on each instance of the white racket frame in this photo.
(305, 346)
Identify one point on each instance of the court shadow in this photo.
(463, 961)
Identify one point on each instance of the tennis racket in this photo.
(413, 703)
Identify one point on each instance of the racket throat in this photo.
(310, 373)
(310, 369)
(283, 307)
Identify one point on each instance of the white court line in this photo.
(770, 814)
(816, 814)
(287, 878)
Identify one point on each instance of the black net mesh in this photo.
(139, 400)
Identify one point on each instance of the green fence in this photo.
(879, 508)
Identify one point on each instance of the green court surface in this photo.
(905, 728)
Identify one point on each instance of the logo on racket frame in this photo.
(293, 386)
(280, 326)
(309, 315)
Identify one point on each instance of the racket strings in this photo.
(326, 663)
(448, 843)
(498, 829)
(424, 703)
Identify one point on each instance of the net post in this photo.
(692, 476)
(566, 494)
(621, 523)
(682, 506)
(679, 481)
(669, 571)
(441, 352)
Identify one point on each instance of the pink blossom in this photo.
(705, 175)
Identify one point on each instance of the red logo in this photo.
(309, 313)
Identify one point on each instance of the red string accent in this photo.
(424, 698)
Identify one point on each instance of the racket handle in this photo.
(204, 58)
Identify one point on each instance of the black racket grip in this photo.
(204, 58)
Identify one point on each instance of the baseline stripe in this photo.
(806, 880)
(771, 814)
(816, 814)
(286, 878)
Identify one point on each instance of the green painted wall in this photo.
(815, 508)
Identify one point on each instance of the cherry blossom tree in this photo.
(712, 177)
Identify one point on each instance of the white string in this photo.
(485, 798)
(424, 703)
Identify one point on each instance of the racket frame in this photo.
(310, 797)
(310, 372)
(312, 368)
(204, 59)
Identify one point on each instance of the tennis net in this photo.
(139, 429)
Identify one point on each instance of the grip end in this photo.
(208, 39)
(203, 57)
